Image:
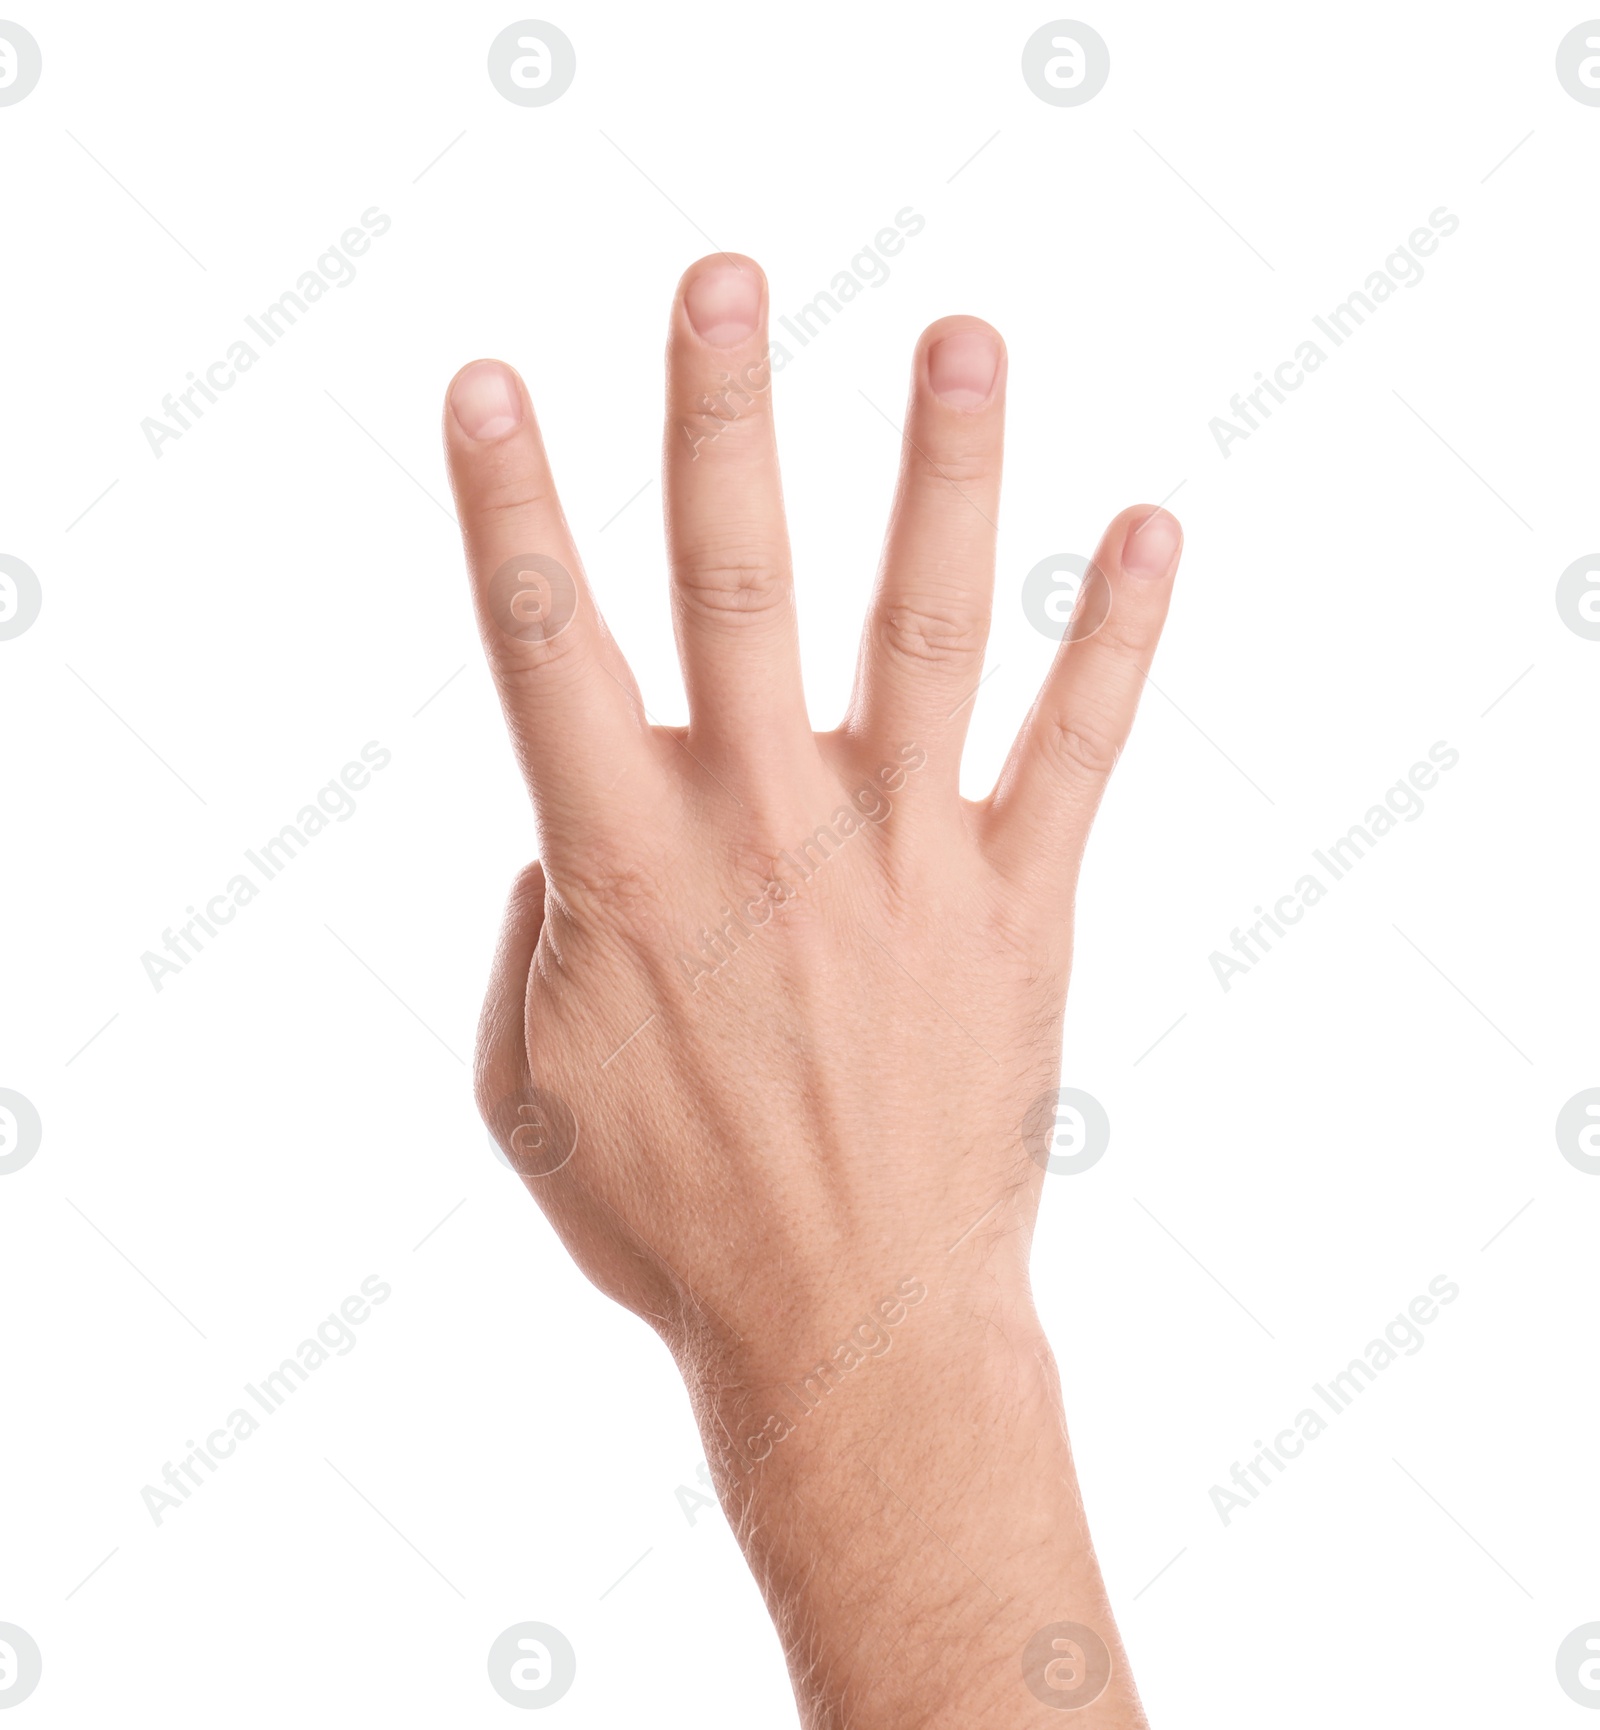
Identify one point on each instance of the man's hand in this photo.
(771, 1022)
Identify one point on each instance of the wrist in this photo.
(830, 1370)
(904, 1481)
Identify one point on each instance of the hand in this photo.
(766, 1024)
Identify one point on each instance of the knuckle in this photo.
(938, 633)
(1083, 746)
(514, 499)
(720, 581)
(518, 664)
(504, 483)
(1125, 633)
(527, 887)
(736, 409)
(963, 466)
(613, 891)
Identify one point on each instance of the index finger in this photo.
(570, 703)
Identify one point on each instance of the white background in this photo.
(1362, 1112)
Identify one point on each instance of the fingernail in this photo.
(723, 304)
(962, 367)
(486, 401)
(1152, 546)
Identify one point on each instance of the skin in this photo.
(774, 1097)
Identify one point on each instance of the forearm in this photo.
(914, 1520)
